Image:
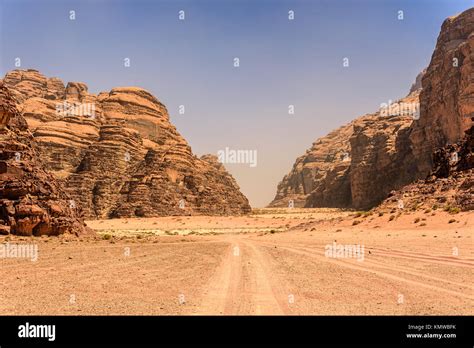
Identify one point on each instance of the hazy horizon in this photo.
(191, 62)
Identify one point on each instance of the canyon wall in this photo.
(359, 164)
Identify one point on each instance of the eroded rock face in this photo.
(381, 155)
(356, 165)
(389, 150)
(447, 98)
(31, 200)
(450, 185)
(320, 178)
(117, 153)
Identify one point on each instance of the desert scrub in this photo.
(451, 221)
(356, 222)
(381, 213)
(106, 236)
(417, 220)
(452, 210)
(391, 217)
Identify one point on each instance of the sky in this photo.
(190, 62)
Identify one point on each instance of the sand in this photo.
(274, 262)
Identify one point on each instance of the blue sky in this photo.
(190, 63)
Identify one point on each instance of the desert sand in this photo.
(271, 262)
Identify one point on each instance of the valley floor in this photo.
(271, 262)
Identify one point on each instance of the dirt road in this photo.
(401, 271)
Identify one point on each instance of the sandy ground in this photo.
(271, 262)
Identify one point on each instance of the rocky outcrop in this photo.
(32, 202)
(417, 84)
(320, 177)
(394, 146)
(381, 153)
(351, 166)
(450, 185)
(117, 153)
(447, 98)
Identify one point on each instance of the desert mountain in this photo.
(32, 202)
(359, 164)
(117, 154)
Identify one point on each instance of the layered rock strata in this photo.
(117, 153)
(32, 202)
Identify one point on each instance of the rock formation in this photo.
(321, 175)
(359, 164)
(417, 84)
(447, 98)
(350, 167)
(117, 153)
(450, 185)
(381, 153)
(32, 202)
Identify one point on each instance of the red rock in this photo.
(27, 191)
(123, 159)
(387, 152)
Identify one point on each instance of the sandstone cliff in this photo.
(32, 202)
(359, 164)
(350, 167)
(117, 153)
(450, 185)
(447, 98)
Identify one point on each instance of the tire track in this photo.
(382, 274)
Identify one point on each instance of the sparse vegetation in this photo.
(452, 210)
